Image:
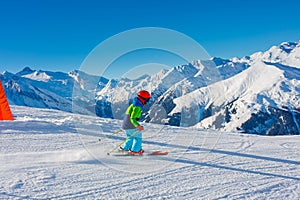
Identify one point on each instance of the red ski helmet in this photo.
(144, 96)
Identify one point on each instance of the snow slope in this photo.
(50, 154)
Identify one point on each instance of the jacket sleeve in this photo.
(135, 114)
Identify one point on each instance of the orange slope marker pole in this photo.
(5, 112)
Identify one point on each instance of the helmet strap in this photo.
(142, 100)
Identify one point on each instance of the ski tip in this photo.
(158, 153)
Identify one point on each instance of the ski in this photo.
(152, 153)
(158, 152)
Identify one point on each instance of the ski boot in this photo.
(139, 153)
(123, 150)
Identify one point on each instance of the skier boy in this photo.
(132, 128)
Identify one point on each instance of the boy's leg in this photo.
(128, 144)
(137, 142)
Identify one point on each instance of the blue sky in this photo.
(57, 35)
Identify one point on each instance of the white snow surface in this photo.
(50, 154)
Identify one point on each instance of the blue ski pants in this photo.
(134, 143)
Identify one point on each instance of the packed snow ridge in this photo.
(51, 154)
(256, 94)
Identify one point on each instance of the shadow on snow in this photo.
(223, 152)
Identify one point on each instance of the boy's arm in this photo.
(135, 114)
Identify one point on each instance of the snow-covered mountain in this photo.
(165, 86)
(262, 99)
(255, 94)
(45, 89)
(287, 53)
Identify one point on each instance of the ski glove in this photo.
(140, 128)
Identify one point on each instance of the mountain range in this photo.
(256, 94)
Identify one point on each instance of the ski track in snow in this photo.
(48, 154)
